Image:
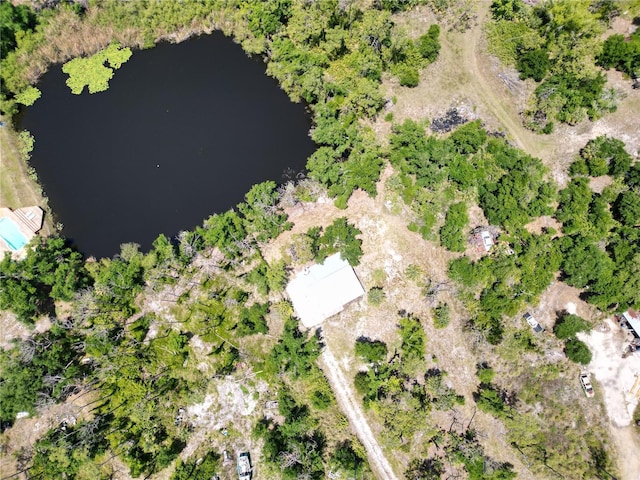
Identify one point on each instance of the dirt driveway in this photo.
(350, 406)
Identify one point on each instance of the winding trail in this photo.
(491, 100)
(350, 406)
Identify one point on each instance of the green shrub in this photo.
(567, 325)
(408, 76)
(320, 400)
(451, 233)
(533, 64)
(376, 296)
(429, 44)
(441, 315)
(577, 351)
(485, 373)
(371, 351)
(413, 338)
(413, 272)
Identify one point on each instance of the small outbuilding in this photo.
(633, 320)
(321, 291)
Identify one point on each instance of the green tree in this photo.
(425, 469)
(491, 401)
(533, 64)
(371, 351)
(14, 20)
(223, 230)
(203, 468)
(262, 216)
(621, 53)
(573, 210)
(340, 236)
(294, 353)
(606, 155)
(626, 208)
(577, 351)
(584, 262)
(51, 271)
(469, 137)
(348, 459)
(451, 233)
(429, 44)
(567, 325)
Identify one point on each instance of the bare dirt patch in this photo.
(11, 329)
(542, 223)
(560, 297)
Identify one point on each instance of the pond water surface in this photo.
(183, 131)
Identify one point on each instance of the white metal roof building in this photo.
(321, 291)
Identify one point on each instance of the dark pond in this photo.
(183, 131)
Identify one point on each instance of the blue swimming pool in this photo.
(11, 234)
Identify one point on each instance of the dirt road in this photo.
(486, 91)
(350, 406)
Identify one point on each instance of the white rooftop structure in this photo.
(321, 291)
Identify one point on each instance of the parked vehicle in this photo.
(244, 466)
(533, 323)
(585, 381)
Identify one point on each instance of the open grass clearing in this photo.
(17, 188)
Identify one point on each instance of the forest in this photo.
(135, 371)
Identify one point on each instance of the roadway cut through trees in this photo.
(350, 406)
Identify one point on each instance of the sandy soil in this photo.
(616, 377)
(12, 329)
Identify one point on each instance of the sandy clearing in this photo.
(615, 378)
(616, 375)
(11, 329)
(350, 406)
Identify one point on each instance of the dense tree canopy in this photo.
(51, 271)
(558, 44)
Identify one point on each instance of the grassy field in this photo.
(17, 188)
